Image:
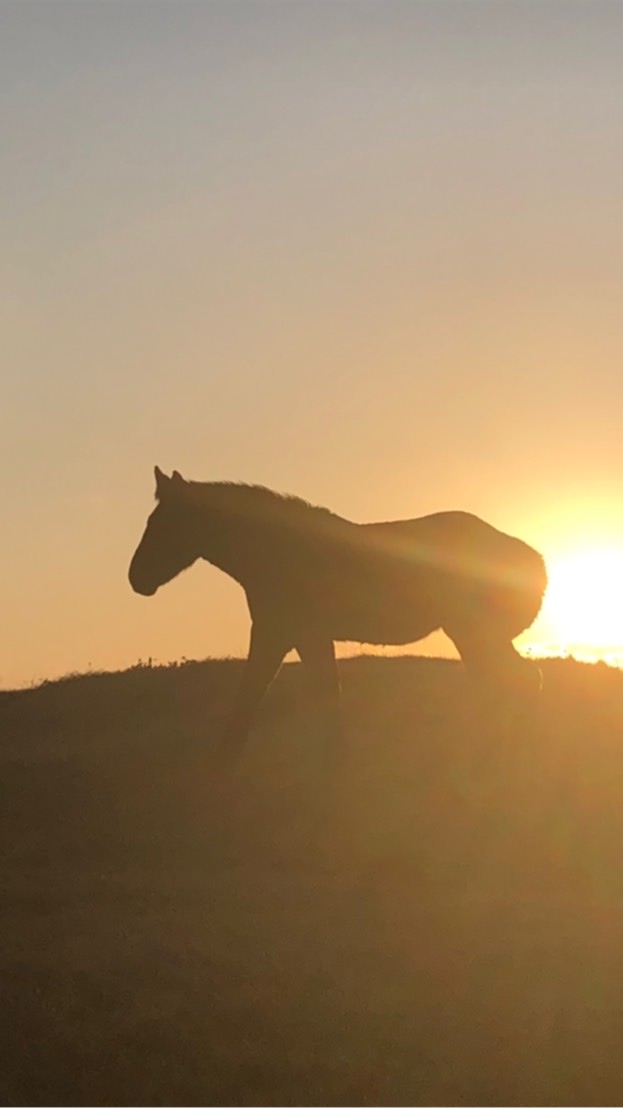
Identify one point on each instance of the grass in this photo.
(438, 923)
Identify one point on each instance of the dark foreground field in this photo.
(440, 923)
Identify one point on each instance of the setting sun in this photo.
(584, 601)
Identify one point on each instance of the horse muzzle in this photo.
(143, 588)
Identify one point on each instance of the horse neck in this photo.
(230, 541)
(249, 536)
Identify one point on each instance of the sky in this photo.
(367, 252)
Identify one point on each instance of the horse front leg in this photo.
(317, 653)
(267, 650)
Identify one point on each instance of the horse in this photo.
(313, 578)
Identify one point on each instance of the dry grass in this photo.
(437, 923)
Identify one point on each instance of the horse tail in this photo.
(517, 591)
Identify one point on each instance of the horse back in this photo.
(473, 571)
(398, 581)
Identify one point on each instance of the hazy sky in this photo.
(367, 252)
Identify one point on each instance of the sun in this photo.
(584, 600)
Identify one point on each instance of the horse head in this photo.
(168, 545)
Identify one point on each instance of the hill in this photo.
(437, 922)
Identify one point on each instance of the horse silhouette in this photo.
(313, 578)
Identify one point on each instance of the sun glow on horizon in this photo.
(583, 606)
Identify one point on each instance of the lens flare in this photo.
(584, 600)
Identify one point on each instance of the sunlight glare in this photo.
(584, 600)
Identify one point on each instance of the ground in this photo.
(436, 922)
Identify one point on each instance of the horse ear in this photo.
(162, 483)
(177, 479)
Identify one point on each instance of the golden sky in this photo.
(366, 252)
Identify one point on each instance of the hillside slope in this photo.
(438, 922)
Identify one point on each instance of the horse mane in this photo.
(238, 498)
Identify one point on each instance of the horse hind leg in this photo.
(498, 672)
(521, 677)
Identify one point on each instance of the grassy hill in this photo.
(439, 922)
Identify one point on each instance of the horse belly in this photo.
(383, 613)
(383, 629)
